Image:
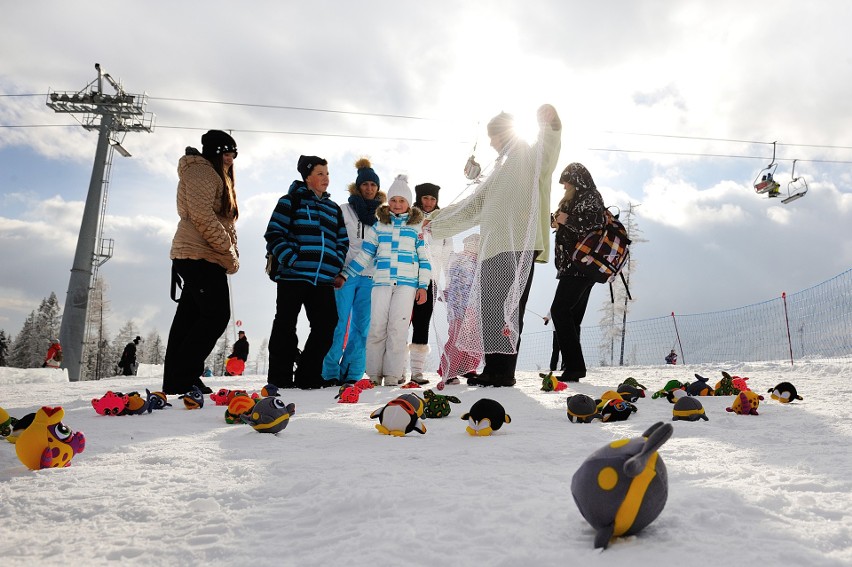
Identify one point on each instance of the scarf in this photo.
(364, 210)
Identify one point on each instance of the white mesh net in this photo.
(493, 234)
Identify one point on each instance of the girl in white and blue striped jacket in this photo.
(401, 275)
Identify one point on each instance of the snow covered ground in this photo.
(184, 487)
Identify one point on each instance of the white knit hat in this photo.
(399, 188)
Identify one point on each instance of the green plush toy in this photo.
(436, 405)
(725, 386)
(630, 381)
(670, 386)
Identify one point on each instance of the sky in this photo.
(673, 107)
(182, 486)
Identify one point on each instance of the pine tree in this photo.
(154, 349)
(23, 349)
(49, 317)
(261, 358)
(614, 319)
(31, 344)
(4, 348)
(98, 359)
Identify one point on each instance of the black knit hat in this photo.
(307, 163)
(217, 142)
(426, 189)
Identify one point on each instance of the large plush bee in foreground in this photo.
(623, 486)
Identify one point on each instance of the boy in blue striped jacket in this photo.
(396, 250)
(307, 236)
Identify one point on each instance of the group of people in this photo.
(365, 270)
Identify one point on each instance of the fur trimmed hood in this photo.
(415, 215)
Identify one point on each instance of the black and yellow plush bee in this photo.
(582, 409)
(623, 486)
(688, 409)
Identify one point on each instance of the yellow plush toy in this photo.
(48, 442)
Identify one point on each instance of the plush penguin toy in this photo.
(397, 418)
(615, 410)
(630, 393)
(158, 400)
(485, 417)
(5, 423)
(269, 415)
(19, 426)
(193, 399)
(688, 409)
(136, 404)
(48, 442)
(785, 393)
(582, 409)
(418, 403)
(437, 405)
(622, 487)
(700, 387)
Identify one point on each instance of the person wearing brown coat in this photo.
(204, 251)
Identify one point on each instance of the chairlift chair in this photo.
(796, 188)
(765, 180)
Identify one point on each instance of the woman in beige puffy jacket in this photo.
(204, 252)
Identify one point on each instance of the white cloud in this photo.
(617, 72)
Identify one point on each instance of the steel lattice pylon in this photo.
(112, 116)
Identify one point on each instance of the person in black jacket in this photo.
(241, 347)
(580, 212)
(128, 364)
(239, 352)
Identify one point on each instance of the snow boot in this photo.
(418, 360)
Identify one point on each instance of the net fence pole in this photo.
(677, 334)
(787, 322)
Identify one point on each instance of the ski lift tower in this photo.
(112, 115)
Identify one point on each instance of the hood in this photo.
(415, 215)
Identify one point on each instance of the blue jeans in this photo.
(353, 299)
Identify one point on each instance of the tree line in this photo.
(102, 349)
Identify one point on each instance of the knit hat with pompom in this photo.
(400, 188)
(365, 172)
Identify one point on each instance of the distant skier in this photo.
(53, 358)
(671, 358)
(128, 364)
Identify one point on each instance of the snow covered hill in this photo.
(183, 487)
